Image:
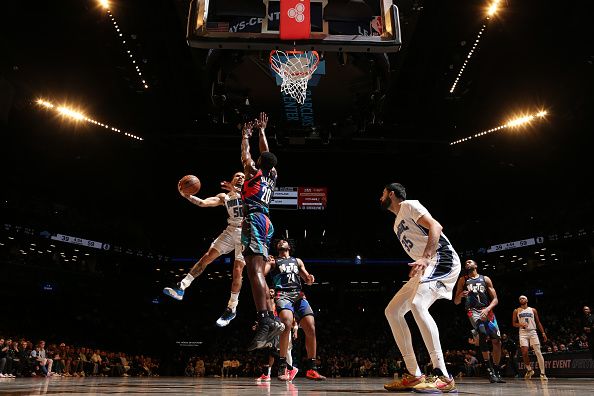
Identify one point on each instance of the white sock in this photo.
(269, 370)
(233, 301)
(186, 282)
(411, 365)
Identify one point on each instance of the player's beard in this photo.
(386, 203)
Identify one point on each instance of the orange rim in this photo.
(312, 68)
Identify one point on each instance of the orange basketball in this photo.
(189, 184)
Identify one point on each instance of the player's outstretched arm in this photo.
(209, 202)
(261, 123)
(249, 167)
(306, 276)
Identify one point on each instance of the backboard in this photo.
(335, 25)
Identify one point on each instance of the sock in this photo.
(269, 370)
(311, 364)
(490, 364)
(411, 364)
(233, 301)
(186, 282)
(283, 362)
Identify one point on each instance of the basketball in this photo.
(189, 184)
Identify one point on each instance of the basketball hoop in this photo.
(295, 68)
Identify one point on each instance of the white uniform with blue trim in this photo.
(444, 268)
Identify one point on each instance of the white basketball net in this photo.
(295, 71)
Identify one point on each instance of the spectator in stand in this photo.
(200, 369)
(125, 365)
(5, 359)
(235, 367)
(588, 327)
(510, 350)
(471, 365)
(39, 355)
(96, 360)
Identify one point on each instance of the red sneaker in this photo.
(263, 378)
(292, 373)
(314, 375)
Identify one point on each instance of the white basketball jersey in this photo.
(527, 316)
(413, 239)
(234, 207)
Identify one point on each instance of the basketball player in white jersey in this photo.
(229, 241)
(433, 275)
(526, 319)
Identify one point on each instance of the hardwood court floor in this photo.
(248, 387)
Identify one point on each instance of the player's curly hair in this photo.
(267, 160)
(398, 189)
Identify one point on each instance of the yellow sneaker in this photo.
(529, 374)
(439, 384)
(406, 383)
(543, 377)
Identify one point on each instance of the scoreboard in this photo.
(304, 198)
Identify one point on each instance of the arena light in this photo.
(70, 113)
(492, 10)
(125, 47)
(513, 123)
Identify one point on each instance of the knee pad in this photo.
(483, 344)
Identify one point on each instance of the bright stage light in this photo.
(492, 10)
(65, 111)
(514, 123)
(78, 116)
(120, 36)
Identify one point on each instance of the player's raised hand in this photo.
(246, 130)
(183, 194)
(262, 121)
(227, 186)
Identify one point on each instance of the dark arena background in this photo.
(482, 109)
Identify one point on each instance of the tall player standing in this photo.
(527, 320)
(433, 275)
(257, 230)
(228, 241)
(481, 298)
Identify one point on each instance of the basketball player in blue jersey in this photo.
(481, 298)
(287, 272)
(257, 229)
(228, 241)
(433, 275)
(527, 320)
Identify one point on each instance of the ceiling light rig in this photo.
(491, 11)
(70, 113)
(125, 46)
(513, 123)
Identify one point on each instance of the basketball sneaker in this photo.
(263, 378)
(544, 377)
(284, 374)
(226, 318)
(178, 294)
(314, 375)
(266, 330)
(406, 383)
(440, 384)
(529, 374)
(492, 376)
